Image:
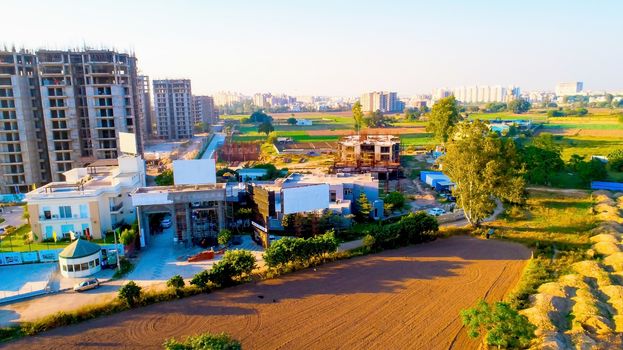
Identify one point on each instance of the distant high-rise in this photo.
(380, 100)
(143, 96)
(485, 94)
(173, 104)
(569, 89)
(204, 111)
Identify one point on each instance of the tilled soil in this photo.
(407, 298)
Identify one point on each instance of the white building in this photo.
(80, 259)
(383, 101)
(569, 88)
(486, 94)
(90, 202)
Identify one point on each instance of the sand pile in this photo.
(592, 269)
(614, 261)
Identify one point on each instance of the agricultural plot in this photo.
(380, 301)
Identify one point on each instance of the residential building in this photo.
(376, 154)
(380, 100)
(87, 98)
(143, 96)
(173, 105)
(227, 98)
(569, 88)
(204, 111)
(305, 193)
(486, 94)
(91, 200)
(23, 146)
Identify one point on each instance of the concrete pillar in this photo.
(220, 211)
(143, 230)
(187, 235)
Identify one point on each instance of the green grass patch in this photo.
(421, 139)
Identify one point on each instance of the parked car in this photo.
(166, 223)
(436, 211)
(87, 285)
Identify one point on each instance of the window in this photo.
(48, 232)
(333, 195)
(70, 268)
(84, 213)
(97, 261)
(47, 214)
(92, 264)
(85, 266)
(77, 267)
(65, 229)
(64, 267)
(65, 212)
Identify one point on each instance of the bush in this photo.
(224, 236)
(204, 341)
(368, 241)
(125, 267)
(176, 282)
(413, 228)
(288, 249)
(201, 279)
(130, 293)
(234, 265)
(165, 178)
(127, 237)
(502, 325)
(396, 200)
(615, 160)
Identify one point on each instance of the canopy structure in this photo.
(80, 249)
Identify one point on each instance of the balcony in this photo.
(55, 217)
(117, 209)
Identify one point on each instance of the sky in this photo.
(340, 47)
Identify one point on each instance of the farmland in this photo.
(374, 301)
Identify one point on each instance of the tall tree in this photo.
(363, 207)
(443, 117)
(484, 167)
(519, 105)
(357, 115)
(266, 127)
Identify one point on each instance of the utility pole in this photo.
(114, 233)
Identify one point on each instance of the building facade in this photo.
(569, 89)
(91, 201)
(145, 116)
(486, 94)
(173, 104)
(23, 146)
(380, 101)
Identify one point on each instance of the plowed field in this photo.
(407, 298)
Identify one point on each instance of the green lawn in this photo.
(15, 242)
(535, 117)
(416, 139)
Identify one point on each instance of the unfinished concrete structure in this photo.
(87, 99)
(23, 147)
(376, 154)
(197, 211)
(204, 111)
(144, 112)
(173, 105)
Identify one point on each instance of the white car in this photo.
(166, 223)
(86, 285)
(436, 211)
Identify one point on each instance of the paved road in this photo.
(13, 216)
(216, 142)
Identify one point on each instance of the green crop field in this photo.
(416, 139)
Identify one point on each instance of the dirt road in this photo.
(407, 298)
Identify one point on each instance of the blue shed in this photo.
(424, 173)
(603, 185)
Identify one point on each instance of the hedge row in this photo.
(411, 229)
(289, 249)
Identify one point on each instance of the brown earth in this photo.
(606, 133)
(407, 298)
(370, 131)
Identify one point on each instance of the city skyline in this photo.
(343, 49)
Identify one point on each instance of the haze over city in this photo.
(340, 48)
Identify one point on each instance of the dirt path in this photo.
(407, 298)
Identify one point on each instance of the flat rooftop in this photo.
(179, 188)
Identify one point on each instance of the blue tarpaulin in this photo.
(610, 186)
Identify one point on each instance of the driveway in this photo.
(13, 216)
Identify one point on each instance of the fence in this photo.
(12, 198)
(41, 256)
(611, 186)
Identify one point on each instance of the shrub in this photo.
(395, 199)
(615, 160)
(201, 279)
(127, 237)
(125, 266)
(130, 293)
(368, 241)
(204, 341)
(234, 265)
(224, 236)
(413, 228)
(288, 249)
(176, 282)
(502, 325)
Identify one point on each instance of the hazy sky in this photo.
(340, 47)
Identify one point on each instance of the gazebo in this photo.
(80, 259)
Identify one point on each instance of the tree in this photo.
(165, 178)
(357, 115)
(266, 127)
(615, 160)
(26, 214)
(502, 325)
(375, 120)
(442, 118)
(412, 113)
(259, 117)
(130, 293)
(291, 121)
(176, 283)
(592, 170)
(484, 167)
(363, 207)
(542, 159)
(235, 264)
(396, 200)
(127, 237)
(224, 236)
(205, 341)
(494, 107)
(519, 105)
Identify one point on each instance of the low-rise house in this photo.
(90, 202)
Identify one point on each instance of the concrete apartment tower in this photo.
(23, 149)
(173, 104)
(87, 99)
(143, 96)
(204, 111)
